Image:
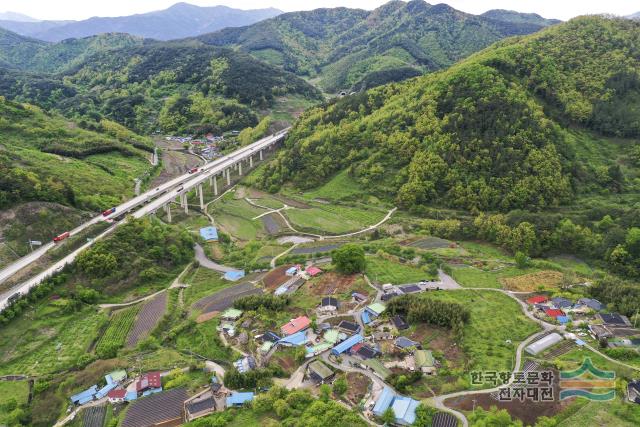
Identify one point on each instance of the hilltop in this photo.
(351, 48)
(178, 21)
(493, 132)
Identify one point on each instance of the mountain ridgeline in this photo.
(353, 48)
(507, 128)
(178, 21)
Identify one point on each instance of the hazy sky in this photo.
(81, 9)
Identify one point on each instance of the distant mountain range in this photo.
(18, 17)
(351, 49)
(179, 21)
(634, 15)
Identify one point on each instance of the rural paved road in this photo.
(205, 262)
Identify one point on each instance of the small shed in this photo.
(209, 234)
(313, 271)
(404, 343)
(424, 361)
(237, 399)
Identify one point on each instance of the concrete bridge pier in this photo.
(215, 185)
(260, 154)
(250, 161)
(240, 168)
(201, 197)
(229, 176)
(167, 209)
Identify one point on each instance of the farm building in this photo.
(237, 399)
(365, 317)
(404, 408)
(292, 271)
(104, 390)
(329, 305)
(399, 322)
(553, 312)
(614, 319)
(245, 364)
(591, 303)
(116, 376)
(364, 351)
(348, 327)
(231, 314)
(84, 396)
(159, 409)
(543, 344)
(209, 234)
(290, 286)
(404, 343)
(319, 372)
(200, 405)
(375, 309)
(410, 289)
(538, 299)
(377, 367)
(149, 381)
(561, 303)
(312, 271)
(347, 344)
(359, 297)
(424, 361)
(295, 325)
(116, 396)
(294, 340)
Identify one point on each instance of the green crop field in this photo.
(382, 270)
(495, 318)
(341, 186)
(235, 216)
(203, 339)
(12, 390)
(119, 326)
(332, 219)
(471, 277)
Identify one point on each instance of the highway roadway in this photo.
(151, 201)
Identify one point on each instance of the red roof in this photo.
(296, 325)
(313, 271)
(117, 394)
(537, 299)
(150, 380)
(356, 347)
(552, 312)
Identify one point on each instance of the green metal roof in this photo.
(232, 313)
(423, 358)
(118, 375)
(377, 307)
(331, 336)
(266, 346)
(321, 369)
(378, 367)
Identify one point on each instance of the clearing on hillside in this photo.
(148, 318)
(532, 281)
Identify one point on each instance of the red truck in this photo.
(193, 170)
(108, 212)
(61, 237)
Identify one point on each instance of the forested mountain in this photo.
(17, 17)
(634, 15)
(518, 17)
(352, 48)
(498, 131)
(28, 54)
(173, 86)
(44, 157)
(179, 21)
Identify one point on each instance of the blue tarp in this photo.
(152, 391)
(347, 344)
(234, 275)
(298, 338)
(106, 389)
(239, 399)
(580, 342)
(384, 401)
(563, 319)
(291, 271)
(209, 234)
(82, 396)
(131, 395)
(366, 319)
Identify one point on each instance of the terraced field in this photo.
(119, 326)
(148, 318)
(94, 416)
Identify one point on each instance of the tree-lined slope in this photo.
(357, 48)
(490, 132)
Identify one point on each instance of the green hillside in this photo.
(490, 133)
(351, 48)
(173, 86)
(44, 157)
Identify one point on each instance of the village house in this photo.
(295, 325)
(319, 372)
(328, 305)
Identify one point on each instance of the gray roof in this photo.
(561, 302)
(404, 342)
(593, 304)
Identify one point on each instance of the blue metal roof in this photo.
(90, 392)
(298, 338)
(209, 233)
(563, 319)
(237, 398)
(404, 409)
(106, 389)
(384, 401)
(234, 275)
(152, 391)
(131, 395)
(366, 319)
(347, 344)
